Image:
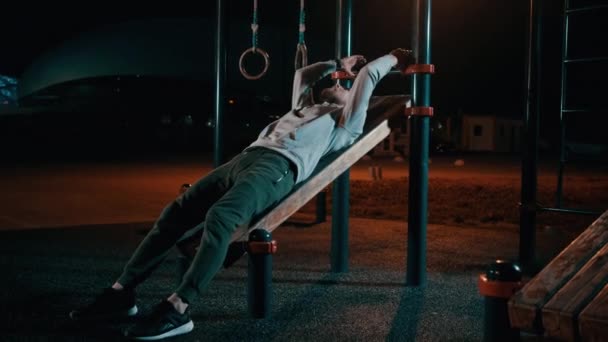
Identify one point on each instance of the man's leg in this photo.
(185, 212)
(261, 179)
(256, 188)
(182, 214)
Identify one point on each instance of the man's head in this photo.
(336, 94)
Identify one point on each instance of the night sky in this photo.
(478, 46)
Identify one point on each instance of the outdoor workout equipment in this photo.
(380, 110)
(341, 75)
(335, 167)
(301, 59)
(529, 206)
(254, 49)
(411, 70)
(500, 281)
(568, 299)
(420, 69)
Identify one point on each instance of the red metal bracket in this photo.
(259, 247)
(495, 288)
(419, 69)
(419, 111)
(341, 75)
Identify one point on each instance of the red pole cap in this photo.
(497, 288)
(419, 69)
(341, 75)
(262, 247)
(419, 111)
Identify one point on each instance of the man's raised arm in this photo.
(355, 110)
(305, 78)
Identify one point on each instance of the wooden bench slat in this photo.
(525, 305)
(593, 320)
(559, 315)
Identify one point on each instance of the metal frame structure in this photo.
(419, 148)
(220, 78)
(529, 170)
(341, 186)
(529, 206)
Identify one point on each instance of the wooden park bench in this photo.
(568, 299)
(380, 110)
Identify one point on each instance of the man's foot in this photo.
(109, 304)
(164, 321)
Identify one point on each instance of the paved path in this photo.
(48, 272)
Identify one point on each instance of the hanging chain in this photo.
(254, 48)
(301, 59)
(302, 27)
(254, 26)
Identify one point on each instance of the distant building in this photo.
(490, 133)
(481, 133)
(398, 141)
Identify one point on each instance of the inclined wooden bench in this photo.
(380, 110)
(568, 299)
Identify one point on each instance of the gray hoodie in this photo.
(309, 131)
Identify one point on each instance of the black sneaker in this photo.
(164, 321)
(110, 304)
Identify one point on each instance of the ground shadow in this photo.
(405, 323)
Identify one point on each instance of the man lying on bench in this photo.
(285, 153)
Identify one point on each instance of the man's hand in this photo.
(352, 64)
(404, 58)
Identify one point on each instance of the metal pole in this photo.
(341, 186)
(220, 75)
(344, 18)
(562, 121)
(505, 279)
(321, 211)
(419, 149)
(259, 276)
(527, 223)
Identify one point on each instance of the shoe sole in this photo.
(129, 313)
(182, 329)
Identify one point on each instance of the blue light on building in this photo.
(8, 91)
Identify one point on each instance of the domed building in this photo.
(143, 84)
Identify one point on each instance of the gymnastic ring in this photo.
(254, 51)
(301, 55)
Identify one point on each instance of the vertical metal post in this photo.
(419, 149)
(529, 170)
(341, 186)
(220, 75)
(501, 280)
(562, 119)
(321, 211)
(344, 18)
(259, 275)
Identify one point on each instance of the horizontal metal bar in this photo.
(579, 110)
(584, 110)
(584, 60)
(585, 9)
(570, 211)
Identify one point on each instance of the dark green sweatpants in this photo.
(226, 198)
